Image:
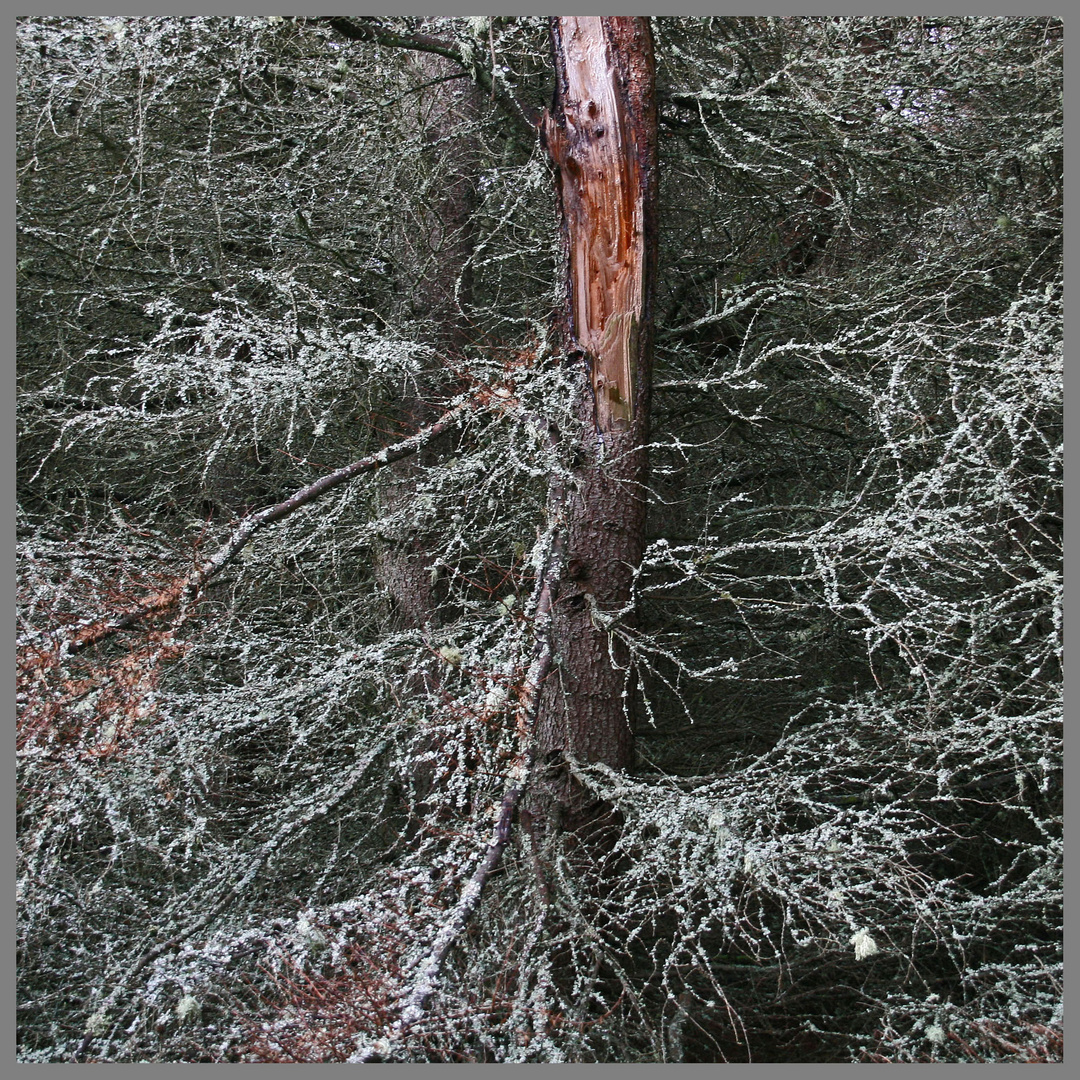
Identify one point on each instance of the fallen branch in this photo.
(187, 589)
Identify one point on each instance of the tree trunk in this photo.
(602, 140)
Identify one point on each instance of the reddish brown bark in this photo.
(602, 139)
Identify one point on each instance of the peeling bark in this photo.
(602, 139)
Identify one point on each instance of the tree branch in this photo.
(93, 631)
(550, 551)
(231, 892)
(369, 28)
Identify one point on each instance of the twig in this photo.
(231, 892)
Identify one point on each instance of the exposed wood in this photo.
(601, 144)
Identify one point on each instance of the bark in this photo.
(602, 139)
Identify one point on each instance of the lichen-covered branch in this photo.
(549, 553)
(187, 589)
(370, 28)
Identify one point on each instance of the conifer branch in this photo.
(550, 553)
(369, 28)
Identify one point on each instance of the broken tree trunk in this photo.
(601, 136)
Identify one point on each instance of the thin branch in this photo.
(550, 551)
(187, 589)
(369, 28)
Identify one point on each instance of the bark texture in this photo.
(601, 135)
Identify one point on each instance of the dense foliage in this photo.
(242, 825)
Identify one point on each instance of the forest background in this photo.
(256, 805)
